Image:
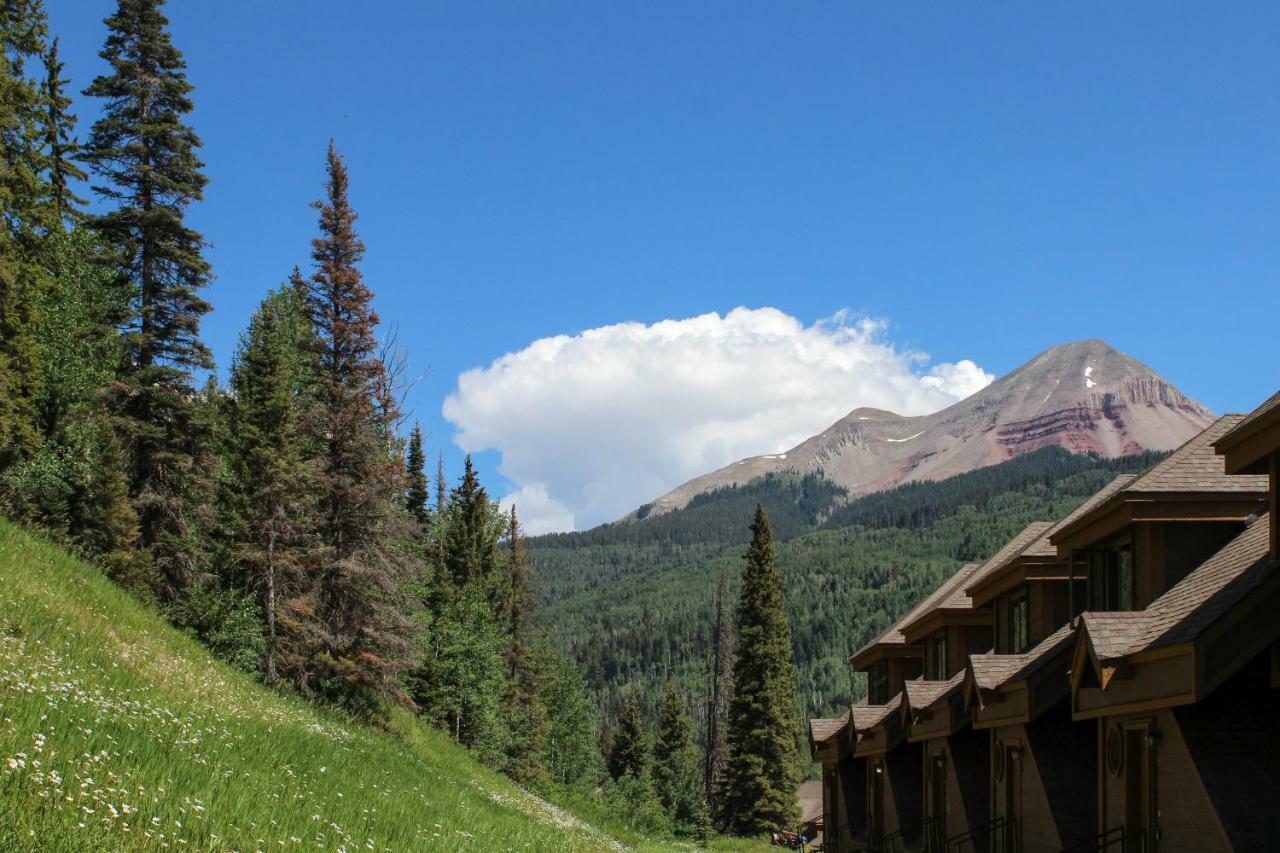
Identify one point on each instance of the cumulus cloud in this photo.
(592, 425)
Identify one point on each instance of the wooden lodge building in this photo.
(1110, 681)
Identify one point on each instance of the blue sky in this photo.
(987, 180)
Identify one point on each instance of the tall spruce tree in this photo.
(23, 220)
(632, 796)
(630, 755)
(677, 771)
(271, 462)
(519, 602)
(442, 490)
(719, 689)
(527, 716)
(362, 632)
(62, 147)
(103, 521)
(469, 548)
(144, 157)
(764, 718)
(415, 498)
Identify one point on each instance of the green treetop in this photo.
(764, 718)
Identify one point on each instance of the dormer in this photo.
(1151, 532)
(890, 661)
(951, 629)
(1252, 447)
(1029, 587)
(829, 738)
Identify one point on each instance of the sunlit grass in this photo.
(117, 732)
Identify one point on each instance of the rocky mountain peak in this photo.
(1085, 396)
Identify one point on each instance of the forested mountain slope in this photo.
(633, 601)
(119, 732)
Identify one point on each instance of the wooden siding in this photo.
(1184, 816)
(903, 788)
(1233, 741)
(1063, 756)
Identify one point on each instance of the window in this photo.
(1124, 579)
(1111, 575)
(937, 666)
(1019, 629)
(878, 683)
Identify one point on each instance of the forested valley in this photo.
(634, 601)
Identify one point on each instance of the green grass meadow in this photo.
(119, 733)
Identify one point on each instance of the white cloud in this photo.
(592, 425)
(538, 511)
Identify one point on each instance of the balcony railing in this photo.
(1000, 834)
(896, 842)
(1117, 839)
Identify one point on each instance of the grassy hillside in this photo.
(633, 601)
(116, 732)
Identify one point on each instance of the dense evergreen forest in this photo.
(634, 602)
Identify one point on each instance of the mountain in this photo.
(1086, 397)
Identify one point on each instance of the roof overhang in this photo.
(936, 620)
(873, 654)
(1247, 447)
(1022, 570)
(1128, 508)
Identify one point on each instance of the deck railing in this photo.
(1117, 838)
(895, 842)
(1000, 834)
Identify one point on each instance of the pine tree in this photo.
(764, 719)
(630, 753)
(60, 141)
(103, 521)
(525, 712)
(144, 156)
(719, 688)
(416, 495)
(519, 602)
(441, 487)
(632, 796)
(23, 220)
(468, 545)
(363, 635)
(677, 772)
(271, 462)
(79, 350)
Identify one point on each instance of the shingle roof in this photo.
(1042, 547)
(824, 728)
(921, 694)
(1243, 428)
(869, 716)
(991, 671)
(1196, 467)
(1000, 561)
(1190, 606)
(1202, 597)
(893, 634)
(1112, 634)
